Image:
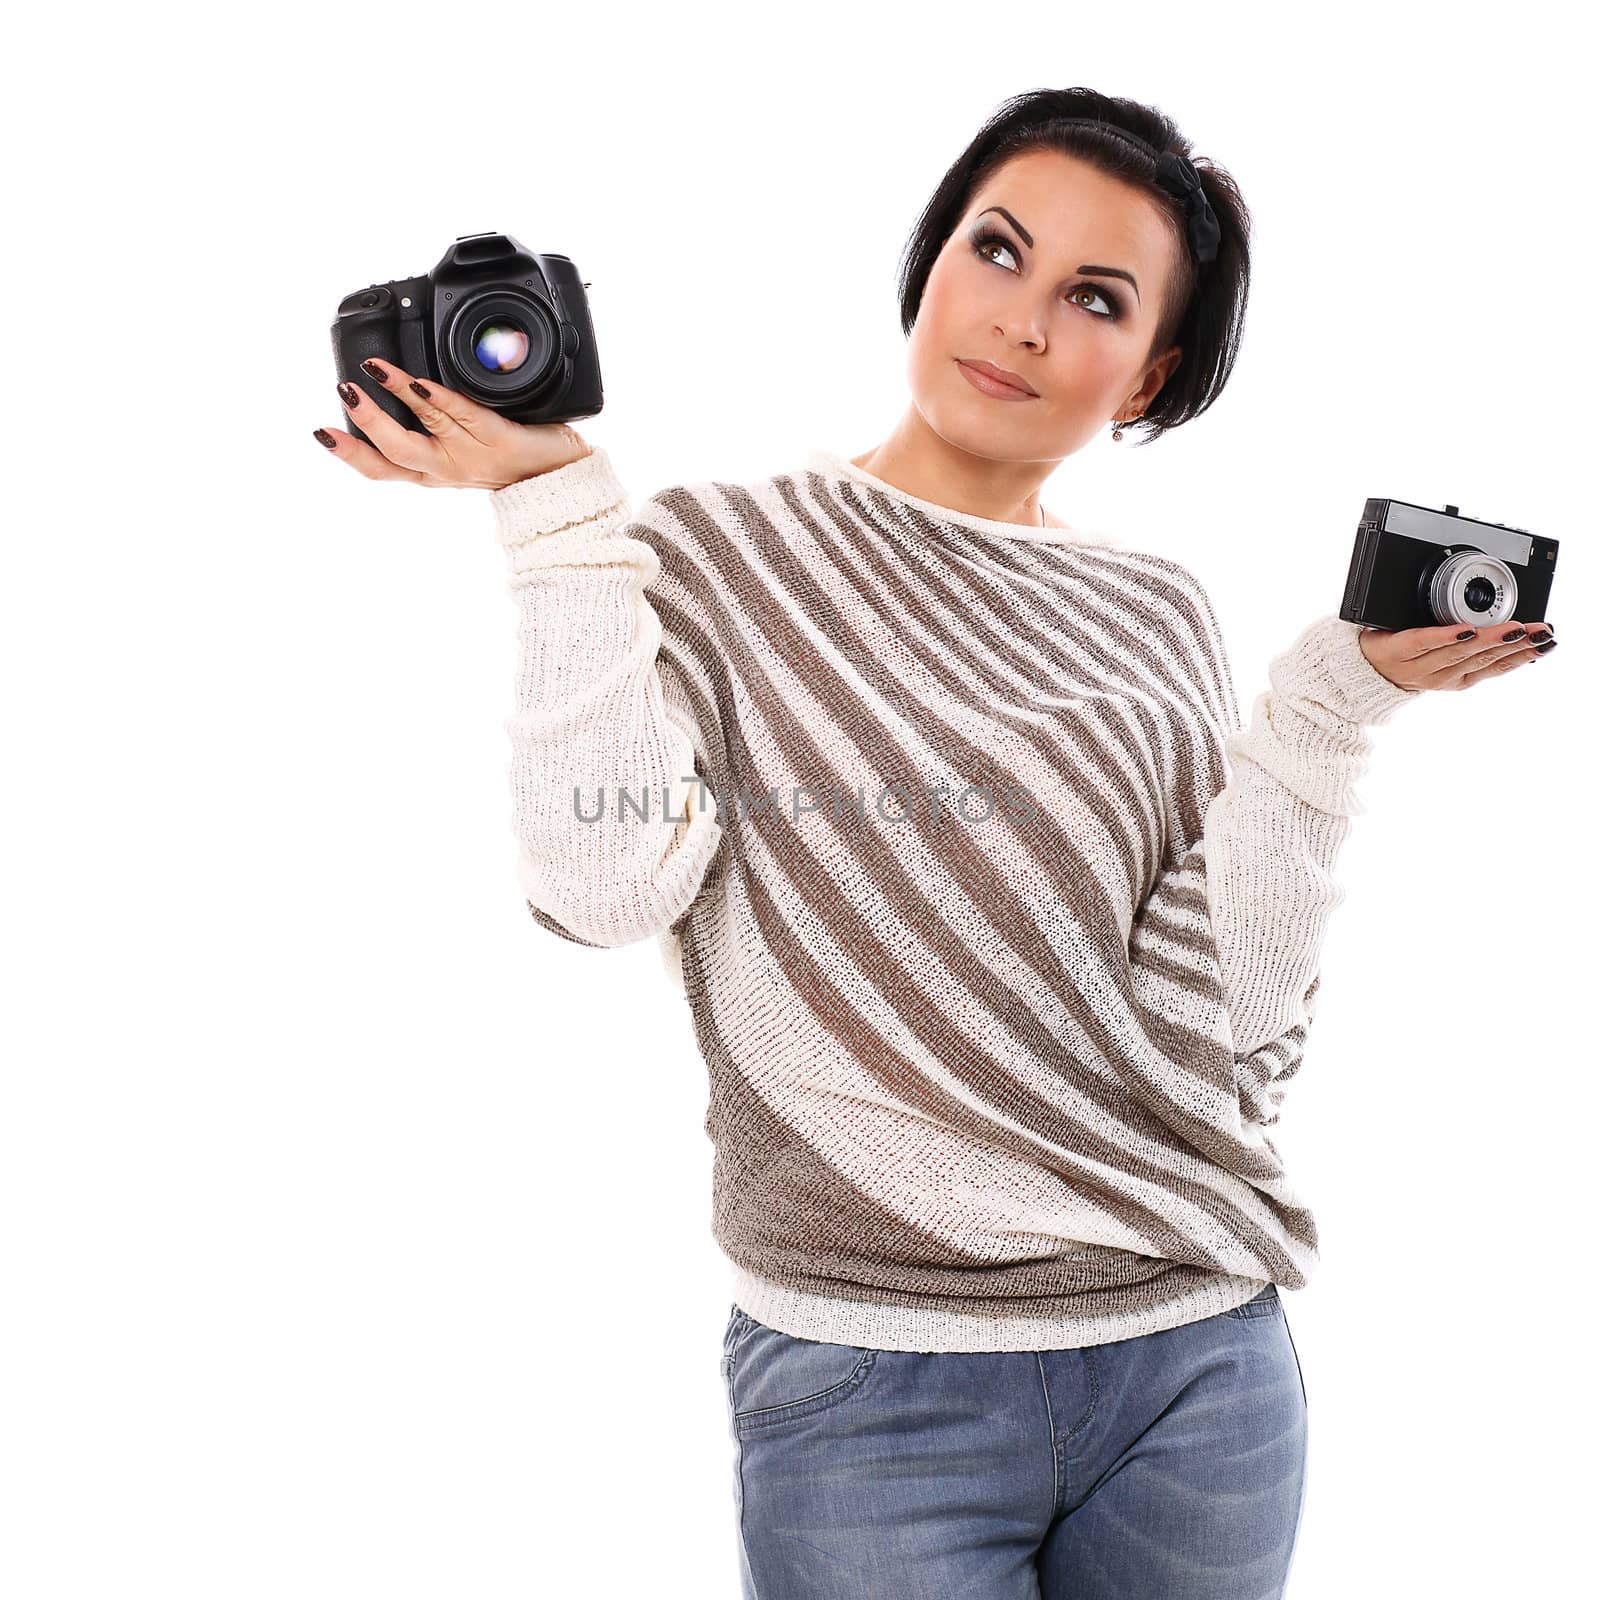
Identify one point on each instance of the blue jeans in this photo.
(1170, 1466)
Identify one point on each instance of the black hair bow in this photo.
(1176, 174)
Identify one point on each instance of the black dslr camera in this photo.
(493, 321)
(1415, 567)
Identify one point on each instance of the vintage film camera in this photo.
(1416, 567)
(493, 321)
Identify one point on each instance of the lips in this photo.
(1000, 375)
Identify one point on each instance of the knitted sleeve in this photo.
(615, 828)
(1273, 833)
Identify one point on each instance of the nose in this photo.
(1025, 333)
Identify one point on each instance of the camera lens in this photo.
(1472, 586)
(501, 346)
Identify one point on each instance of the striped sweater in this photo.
(999, 935)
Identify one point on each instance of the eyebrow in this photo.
(1102, 272)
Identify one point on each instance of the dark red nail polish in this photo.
(349, 393)
(373, 370)
(1513, 636)
(322, 436)
(1545, 648)
(420, 390)
(1539, 635)
(1471, 633)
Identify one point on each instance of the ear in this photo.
(1156, 377)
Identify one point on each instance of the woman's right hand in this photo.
(467, 445)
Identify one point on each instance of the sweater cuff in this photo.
(557, 499)
(1326, 664)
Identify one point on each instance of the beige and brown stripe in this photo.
(1000, 934)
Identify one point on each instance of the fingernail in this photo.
(1538, 634)
(1471, 633)
(1546, 648)
(1513, 636)
(373, 370)
(420, 390)
(322, 436)
(349, 393)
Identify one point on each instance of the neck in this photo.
(917, 460)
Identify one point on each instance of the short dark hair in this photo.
(1206, 304)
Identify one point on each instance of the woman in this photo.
(991, 1084)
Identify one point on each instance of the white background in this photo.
(355, 1230)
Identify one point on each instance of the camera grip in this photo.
(366, 327)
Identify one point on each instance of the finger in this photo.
(1447, 668)
(414, 451)
(1485, 646)
(1492, 642)
(1512, 650)
(1443, 637)
(368, 462)
(440, 410)
(1519, 655)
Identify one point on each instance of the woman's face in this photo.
(1020, 297)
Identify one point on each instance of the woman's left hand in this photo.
(1439, 658)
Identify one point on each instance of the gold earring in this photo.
(1116, 432)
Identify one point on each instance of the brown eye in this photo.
(1089, 288)
(985, 238)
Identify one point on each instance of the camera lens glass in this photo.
(501, 346)
(1478, 594)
